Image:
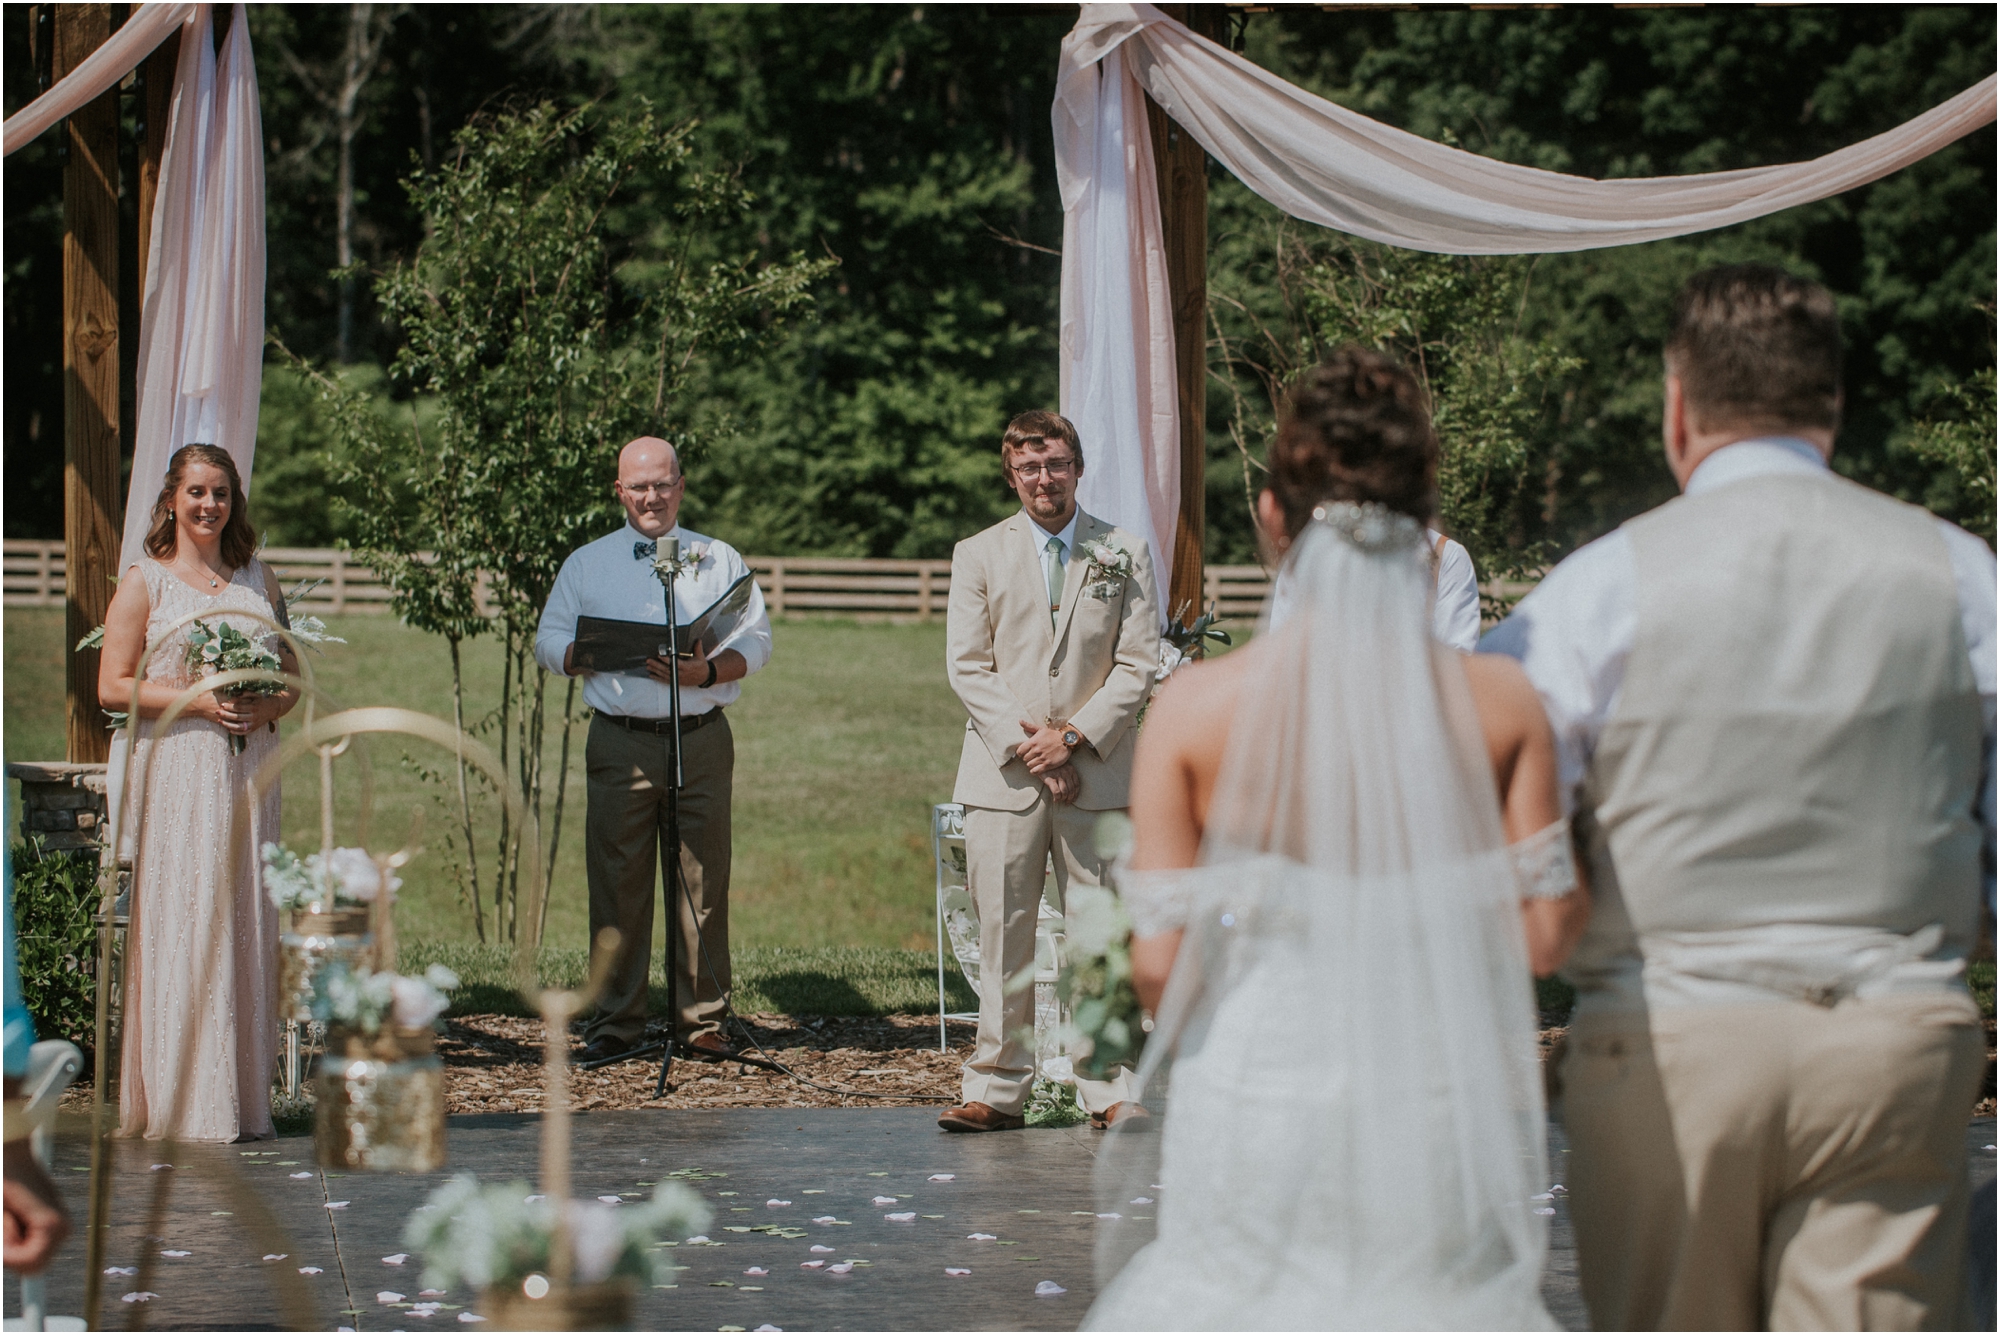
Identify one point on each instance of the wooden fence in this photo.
(793, 586)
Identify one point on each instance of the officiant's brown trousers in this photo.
(625, 834)
(1783, 1166)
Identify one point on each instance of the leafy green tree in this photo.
(548, 335)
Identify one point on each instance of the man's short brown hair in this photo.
(1039, 425)
(1756, 348)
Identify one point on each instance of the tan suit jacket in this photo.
(1094, 668)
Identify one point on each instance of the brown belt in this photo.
(660, 727)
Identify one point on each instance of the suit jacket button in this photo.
(1055, 672)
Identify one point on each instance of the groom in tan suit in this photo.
(1054, 635)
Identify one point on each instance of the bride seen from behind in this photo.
(1348, 857)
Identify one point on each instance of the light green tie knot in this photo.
(1054, 548)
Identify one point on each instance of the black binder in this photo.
(604, 644)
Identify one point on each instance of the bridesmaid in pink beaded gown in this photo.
(201, 1030)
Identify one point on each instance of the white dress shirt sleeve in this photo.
(1573, 636)
(1974, 573)
(1455, 613)
(557, 629)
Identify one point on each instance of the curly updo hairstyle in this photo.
(1355, 428)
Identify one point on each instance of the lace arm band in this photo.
(1159, 901)
(1545, 864)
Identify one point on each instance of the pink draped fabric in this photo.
(99, 72)
(201, 337)
(1326, 165)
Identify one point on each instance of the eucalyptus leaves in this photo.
(361, 1000)
(223, 648)
(500, 1235)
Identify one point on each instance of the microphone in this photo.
(670, 547)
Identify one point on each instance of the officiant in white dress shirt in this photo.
(627, 757)
(1773, 707)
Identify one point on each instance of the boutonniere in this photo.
(1110, 565)
(690, 558)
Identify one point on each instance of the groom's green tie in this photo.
(1055, 551)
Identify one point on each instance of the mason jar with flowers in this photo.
(379, 1089)
(327, 900)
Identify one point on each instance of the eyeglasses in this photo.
(643, 489)
(1055, 468)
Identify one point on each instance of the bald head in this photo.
(650, 485)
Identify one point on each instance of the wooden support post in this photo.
(90, 374)
(1182, 168)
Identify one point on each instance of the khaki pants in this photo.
(625, 833)
(1006, 853)
(1773, 1167)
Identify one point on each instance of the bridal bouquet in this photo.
(224, 648)
(319, 881)
(499, 1236)
(360, 1000)
(1107, 1026)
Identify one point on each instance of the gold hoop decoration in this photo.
(107, 883)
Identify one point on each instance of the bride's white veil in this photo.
(1343, 1070)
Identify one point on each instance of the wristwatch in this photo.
(1071, 737)
(710, 681)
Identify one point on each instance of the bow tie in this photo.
(645, 551)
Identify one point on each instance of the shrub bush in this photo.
(55, 896)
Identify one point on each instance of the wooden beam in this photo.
(1182, 168)
(90, 374)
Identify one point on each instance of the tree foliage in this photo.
(545, 335)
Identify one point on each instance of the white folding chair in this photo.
(52, 1065)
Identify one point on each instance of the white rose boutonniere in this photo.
(689, 560)
(1110, 566)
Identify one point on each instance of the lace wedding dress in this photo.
(201, 1030)
(1344, 1065)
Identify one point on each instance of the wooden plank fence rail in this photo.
(792, 585)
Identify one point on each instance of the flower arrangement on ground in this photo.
(360, 999)
(499, 1236)
(223, 648)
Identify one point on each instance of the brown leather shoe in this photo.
(1124, 1116)
(979, 1117)
(711, 1047)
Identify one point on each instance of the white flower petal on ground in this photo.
(698, 1238)
(1142, 1200)
(430, 1293)
(942, 1177)
(823, 1219)
(1545, 1209)
(140, 1297)
(1113, 1215)
(470, 1317)
(611, 1200)
(1048, 1288)
(530, 1200)
(176, 1253)
(121, 1270)
(311, 1270)
(336, 1205)
(840, 1268)
(275, 1256)
(756, 1269)
(767, 1326)
(981, 1237)
(811, 1265)
(884, 1200)
(816, 1247)
(901, 1216)
(158, 1166)
(1559, 1190)
(956, 1270)
(775, 1201)
(298, 1176)
(1543, 1196)
(387, 1296)
(396, 1259)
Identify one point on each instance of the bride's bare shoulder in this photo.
(1201, 698)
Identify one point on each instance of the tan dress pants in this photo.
(1782, 1166)
(1006, 855)
(625, 834)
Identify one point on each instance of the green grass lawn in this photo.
(843, 743)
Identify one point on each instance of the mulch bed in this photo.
(493, 1063)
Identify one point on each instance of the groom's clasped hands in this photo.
(1047, 758)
